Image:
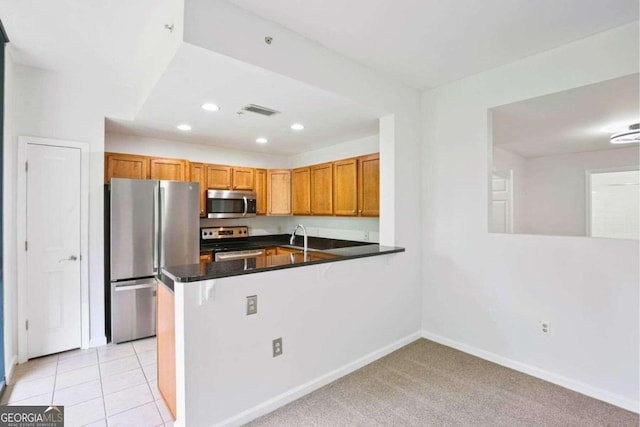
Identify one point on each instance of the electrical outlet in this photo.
(545, 327)
(366, 236)
(277, 347)
(252, 305)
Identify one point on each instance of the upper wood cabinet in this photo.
(218, 177)
(345, 187)
(322, 189)
(196, 174)
(243, 178)
(369, 185)
(279, 192)
(168, 169)
(125, 166)
(261, 191)
(301, 191)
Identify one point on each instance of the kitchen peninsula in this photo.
(219, 364)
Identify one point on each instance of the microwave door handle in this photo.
(246, 206)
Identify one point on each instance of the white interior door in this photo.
(53, 236)
(501, 220)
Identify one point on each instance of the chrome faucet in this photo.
(304, 234)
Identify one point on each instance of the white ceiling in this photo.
(197, 75)
(576, 120)
(426, 43)
(113, 39)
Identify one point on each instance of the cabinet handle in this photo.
(354, 211)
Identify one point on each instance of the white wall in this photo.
(555, 189)
(486, 293)
(357, 147)
(233, 378)
(50, 105)
(120, 143)
(9, 242)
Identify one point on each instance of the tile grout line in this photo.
(104, 405)
(153, 398)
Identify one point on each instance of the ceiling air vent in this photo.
(260, 110)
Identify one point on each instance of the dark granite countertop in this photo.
(220, 269)
(274, 240)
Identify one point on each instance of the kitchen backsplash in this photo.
(359, 229)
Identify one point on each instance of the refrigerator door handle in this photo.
(156, 230)
(246, 206)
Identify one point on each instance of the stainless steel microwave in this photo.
(231, 204)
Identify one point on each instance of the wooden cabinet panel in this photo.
(218, 177)
(279, 192)
(204, 258)
(169, 169)
(166, 345)
(369, 185)
(196, 174)
(345, 187)
(270, 251)
(261, 191)
(322, 189)
(125, 166)
(243, 178)
(301, 191)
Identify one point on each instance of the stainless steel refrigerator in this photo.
(151, 224)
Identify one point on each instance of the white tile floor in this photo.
(114, 385)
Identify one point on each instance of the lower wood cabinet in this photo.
(206, 258)
(166, 342)
(279, 192)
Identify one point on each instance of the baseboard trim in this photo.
(551, 377)
(8, 373)
(97, 341)
(306, 388)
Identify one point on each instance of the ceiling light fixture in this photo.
(628, 136)
(184, 127)
(297, 126)
(262, 140)
(210, 107)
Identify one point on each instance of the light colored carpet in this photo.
(428, 384)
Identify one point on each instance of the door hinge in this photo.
(26, 246)
(26, 166)
(26, 324)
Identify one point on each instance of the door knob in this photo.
(71, 258)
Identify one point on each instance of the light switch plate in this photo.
(252, 304)
(277, 347)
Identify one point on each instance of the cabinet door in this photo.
(196, 174)
(301, 191)
(205, 258)
(168, 169)
(369, 185)
(279, 192)
(261, 191)
(125, 166)
(243, 178)
(322, 189)
(345, 187)
(218, 177)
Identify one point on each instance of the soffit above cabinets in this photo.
(196, 76)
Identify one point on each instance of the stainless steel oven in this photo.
(231, 204)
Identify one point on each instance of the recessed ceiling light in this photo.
(184, 127)
(210, 107)
(262, 140)
(297, 126)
